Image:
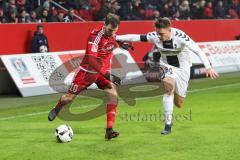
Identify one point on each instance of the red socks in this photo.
(111, 113)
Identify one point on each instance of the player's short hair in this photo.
(112, 19)
(162, 23)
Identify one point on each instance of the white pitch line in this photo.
(37, 113)
(143, 98)
(196, 90)
(215, 87)
(23, 116)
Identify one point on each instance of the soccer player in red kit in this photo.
(95, 68)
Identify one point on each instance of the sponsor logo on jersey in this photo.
(94, 48)
(109, 47)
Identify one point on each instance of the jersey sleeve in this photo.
(151, 36)
(129, 37)
(193, 46)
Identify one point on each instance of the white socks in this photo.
(168, 108)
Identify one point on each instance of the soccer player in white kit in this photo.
(175, 47)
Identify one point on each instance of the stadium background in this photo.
(73, 36)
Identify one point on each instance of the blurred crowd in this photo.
(29, 11)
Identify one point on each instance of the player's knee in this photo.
(169, 89)
(169, 93)
(113, 97)
(169, 86)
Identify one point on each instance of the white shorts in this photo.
(181, 76)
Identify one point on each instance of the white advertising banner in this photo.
(224, 55)
(31, 72)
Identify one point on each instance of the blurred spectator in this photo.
(176, 16)
(46, 4)
(70, 16)
(85, 4)
(12, 17)
(28, 11)
(168, 8)
(33, 17)
(172, 7)
(75, 4)
(125, 11)
(40, 41)
(156, 15)
(2, 3)
(109, 6)
(208, 10)
(184, 10)
(149, 12)
(95, 6)
(2, 16)
(155, 3)
(219, 10)
(11, 7)
(197, 11)
(64, 3)
(23, 16)
(137, 10)
(59, 17)
(234, 10)
(104, 10)
(45, 16)
(165, 11)
(176, 2)
(21, 4)
(115, 7)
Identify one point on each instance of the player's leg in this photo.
(179, 80)
(81, 81)
(168, 97)
(111, 106)
(111, 111)
(63, 101)
(182, 79)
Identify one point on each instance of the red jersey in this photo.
(99, 52)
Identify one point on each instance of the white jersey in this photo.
(175, 52)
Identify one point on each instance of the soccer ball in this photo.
(64, 133)
(43, 49)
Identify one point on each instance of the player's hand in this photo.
(211, 73)
(114, 79)
(126, 45)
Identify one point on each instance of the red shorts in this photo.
(82, 80)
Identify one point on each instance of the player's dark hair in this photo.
(162, 23)
(112, 19)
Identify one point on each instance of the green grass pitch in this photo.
(207, 128)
